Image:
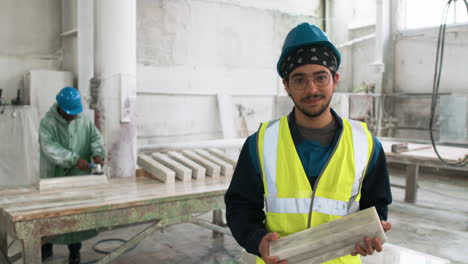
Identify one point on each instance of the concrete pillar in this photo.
(85, 47)
(382, 31)
(115, 67)
(382, 38)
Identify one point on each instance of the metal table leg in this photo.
(32, 250)
(412, 171)
(3, 248)
(218, 220)
(208, 225)
(130, 243)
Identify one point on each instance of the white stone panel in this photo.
(181, 172)
(156, 169)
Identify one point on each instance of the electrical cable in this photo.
(104, 251)
(3, 104)
(436, 83)
(95, 246)
(96, 249)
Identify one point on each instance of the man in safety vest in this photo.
(68, 142)
(309, 167)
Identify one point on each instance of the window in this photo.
(428, 13)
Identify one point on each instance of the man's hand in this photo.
(386, 226)
(98, 160)
(82, 164)
(264, 249)
(371, 244)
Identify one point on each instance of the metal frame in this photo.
(130, 243)
(412, 165)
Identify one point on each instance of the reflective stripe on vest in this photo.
(361, 154)
(271, 132)
(302, 206)
(321, 204)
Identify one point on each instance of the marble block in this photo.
(212, 169)
(198, 172)
(156, 169)
(226, 168)
(181, 172)
(71, 182)
(220, 154)
(330, 240)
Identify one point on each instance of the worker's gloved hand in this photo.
(264, 249)
(82, 164)
(371, 244)
(98, 160)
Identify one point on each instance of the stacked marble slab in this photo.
(330, 240)
(185, 165)
(71, 182)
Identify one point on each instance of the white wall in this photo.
(415, 61)
(189, 51)
(69, 35)
(415, 54)
(409, 64)
(347, 21)
(290, 7)
(29, 39)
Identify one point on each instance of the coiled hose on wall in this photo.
(436, 82)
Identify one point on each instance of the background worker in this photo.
(68, 141)
(311, 166)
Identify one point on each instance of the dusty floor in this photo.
(437, 224)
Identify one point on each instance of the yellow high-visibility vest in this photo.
(291, 204)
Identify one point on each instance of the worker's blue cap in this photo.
(69, 100)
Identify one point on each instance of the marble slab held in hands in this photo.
(330, 240)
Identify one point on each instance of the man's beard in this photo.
(312, 114)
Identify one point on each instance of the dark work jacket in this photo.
(245, 196)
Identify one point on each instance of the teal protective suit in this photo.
(62, 143)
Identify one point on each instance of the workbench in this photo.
(422, 155)
(28, 215)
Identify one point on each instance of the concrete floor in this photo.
(437, 224)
